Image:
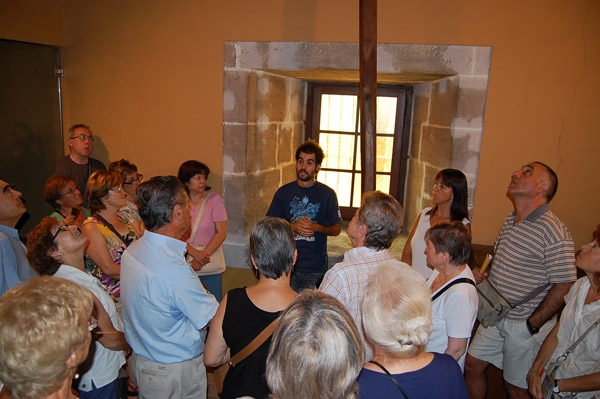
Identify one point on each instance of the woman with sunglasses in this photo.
(107, 231)
(131, 181)
(56, 249)
(62, 194)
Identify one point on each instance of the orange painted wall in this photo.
(148, 77)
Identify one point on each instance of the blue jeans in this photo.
(302, 281)
(214, 284)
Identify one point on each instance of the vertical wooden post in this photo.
(368, 91)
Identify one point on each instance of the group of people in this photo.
(372, 326)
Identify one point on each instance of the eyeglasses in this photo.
(93, 324)
(63, 227)
(137, 180)
(116, 189)
(83, 137)
(69, 191)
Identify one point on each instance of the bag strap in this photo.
(560, 359)
(395, 381)
(453, 282)
(530, 296)
(111, 228)
(199, 216)
(256, 342)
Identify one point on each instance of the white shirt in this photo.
(106, 363)
(454, 313)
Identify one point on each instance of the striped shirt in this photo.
(347, 280)
(529, 254)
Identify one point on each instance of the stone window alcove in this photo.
(264, 105)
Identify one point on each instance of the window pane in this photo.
(382, 183)
(338, 112)
(386, 114)
(339, 150)
(339, 182)
(385, 150)
(357, 191)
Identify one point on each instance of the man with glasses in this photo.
(14, 266)
(78, 164)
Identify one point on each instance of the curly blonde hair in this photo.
(41, 323)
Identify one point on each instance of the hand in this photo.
(199, 257)
(69, 220)
(478, 276)
(303, 227)
(534, 382)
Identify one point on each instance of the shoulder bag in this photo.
(221, 371)
(493, 306)
(217, 263)
(551, 367)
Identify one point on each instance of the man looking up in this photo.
(14, 266)
(78, 164)
(165, 308)
(312, 209)
(534, 249)
(372, 231)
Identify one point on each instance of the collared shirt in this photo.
(529, 254)
(164, 303)
(106, 363)
(14, 266)
(348, 279)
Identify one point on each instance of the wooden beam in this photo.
(368, 91)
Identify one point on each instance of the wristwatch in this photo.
(532, 329)
(556, 389)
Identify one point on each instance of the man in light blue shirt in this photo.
(14, 266)
(165, 308)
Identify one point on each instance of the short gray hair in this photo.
(383, 215)
(272, 246)
(156, 199)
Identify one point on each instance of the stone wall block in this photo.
(444, 97)
(270, 98)
(471, 101)
(437, 146)
(229, 55)
(235, 145)
(235, 96)
(261, 147)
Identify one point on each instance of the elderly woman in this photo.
(397, 322)
(131, 181)
(245, 312)
(62, 194)
(453, 292)
(573, 368)
(108, 233)
(450, 195)
(45, 329)
(56, 249)
(317, 351)
(209, 226)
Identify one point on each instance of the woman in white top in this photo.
(452, 286)
(579, 374)
(57, 249)
(450, 195)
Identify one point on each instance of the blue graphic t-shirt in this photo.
(319, 203)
